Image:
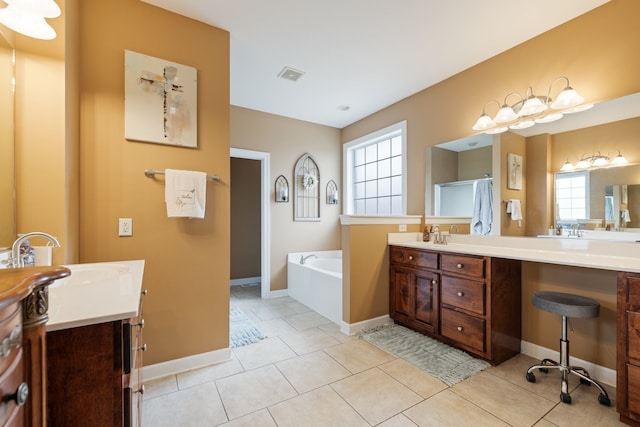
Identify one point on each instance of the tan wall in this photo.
(474, 164)
(539, 199)
(287, 140)
(7, 157)
(187, 260)
(245, 218)
(601, 65)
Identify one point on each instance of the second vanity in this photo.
(94, 345)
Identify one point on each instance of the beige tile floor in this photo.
(306, 373)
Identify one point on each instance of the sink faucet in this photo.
(304, 258)
(438, 240)
(16, 259)
(575, 230)
(453, 227)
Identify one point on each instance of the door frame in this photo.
(265, 228)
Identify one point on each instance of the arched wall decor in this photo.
(306, 188)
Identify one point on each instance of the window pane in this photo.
(372, 153)
(372, 189)
(384, 149)
(396, 205)
(384, 187)
(358, 174)
(372, 171)
(396, 146)
(396, 165)
(384, 168)
(396, 185)
(384, 206)
(358, 156)
(371, 207)
(358, 207)
(358, 191)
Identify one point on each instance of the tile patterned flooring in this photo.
(306, 373)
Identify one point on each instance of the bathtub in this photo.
(318, 283)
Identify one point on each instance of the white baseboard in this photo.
(354, 328)
(176, 366)
(246, 281)
(279, 293)
(600, 373)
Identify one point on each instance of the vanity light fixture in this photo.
(595, 161)
(27, 17)
(531, 109)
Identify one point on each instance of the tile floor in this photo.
(306, 373)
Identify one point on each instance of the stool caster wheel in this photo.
(604, 400)
(585, 382)
(565, 397)
(544, 370)
(530, 377)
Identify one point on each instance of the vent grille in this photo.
(292, 74)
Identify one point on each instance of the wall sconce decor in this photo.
(332, 193)
(27, 17)
(306, 189)
(282, 189)
(531, 109)
(595, 161)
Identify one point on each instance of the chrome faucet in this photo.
(16, 259)
(438, 240)
(453, 227)
(575, 230)
(304, 258)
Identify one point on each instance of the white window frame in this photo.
(587, 200)
(372, 138)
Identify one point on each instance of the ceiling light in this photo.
(595, 161)
(531, 109)
(567, 166)
(43, 8)
(26, 23)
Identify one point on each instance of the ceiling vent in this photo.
(289, 73)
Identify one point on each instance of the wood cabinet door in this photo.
(426, 308)
(401, 293)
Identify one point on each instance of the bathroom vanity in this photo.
(94, 346)
(470, 302)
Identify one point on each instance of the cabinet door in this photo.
(426, 285)
(401, 293)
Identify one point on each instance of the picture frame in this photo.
(160, 101)
(514, 171)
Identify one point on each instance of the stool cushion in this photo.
(566, 304)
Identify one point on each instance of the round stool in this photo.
(566, 305)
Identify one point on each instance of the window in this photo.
(374, 171)
(572, 195)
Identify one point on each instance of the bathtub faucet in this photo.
(304, 258)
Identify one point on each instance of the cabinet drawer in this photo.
(462, 293)
(633, 391)
(465, 329)
(633, 335)
(414, 257)
(471, 266)
(633, 287)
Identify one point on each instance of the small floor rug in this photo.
(442, 361)
(242, 330)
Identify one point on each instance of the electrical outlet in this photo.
(125, 227)
(402, 227)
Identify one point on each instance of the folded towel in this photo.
(185, 193)
(515, 209)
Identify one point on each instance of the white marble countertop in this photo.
(95, 293)
(617, 256)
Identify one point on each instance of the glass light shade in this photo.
(567, 166)
(27, 24)
(484, 122)
(43, 8)
(582, 164)
(531, 106)
(505, 114)
(493, 131)
(619, 160)
(600, 161)
(568, 98)
(549, 118)
(522, 125)
(578, 109)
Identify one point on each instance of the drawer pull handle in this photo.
(459, 265)
(20, 396)
(140, 390)
(434, 282)
(410, 257)
(143, 348)
(460, 294)
(140, 323)
(144, 292)
(460, 328)
(13, 340)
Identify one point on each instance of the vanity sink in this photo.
(95, 293)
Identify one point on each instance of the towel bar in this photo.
(149, 173)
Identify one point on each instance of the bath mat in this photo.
(440, 360)
(242, 330)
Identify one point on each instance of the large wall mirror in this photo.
(7, 157)
(606, 128)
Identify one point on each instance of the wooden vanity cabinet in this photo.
(413, 290)
(94, 374)
(628, 348)
(474, 301)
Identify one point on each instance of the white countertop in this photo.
(95, 293)
(617, 256)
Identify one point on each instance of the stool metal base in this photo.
(567, 369)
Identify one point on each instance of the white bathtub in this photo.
(318, 283)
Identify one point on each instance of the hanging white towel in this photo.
(185, 193)
(515, 209)
(481, 221)
(625, 215)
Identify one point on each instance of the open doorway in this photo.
(263, 158)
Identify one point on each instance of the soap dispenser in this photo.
(425, 234)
